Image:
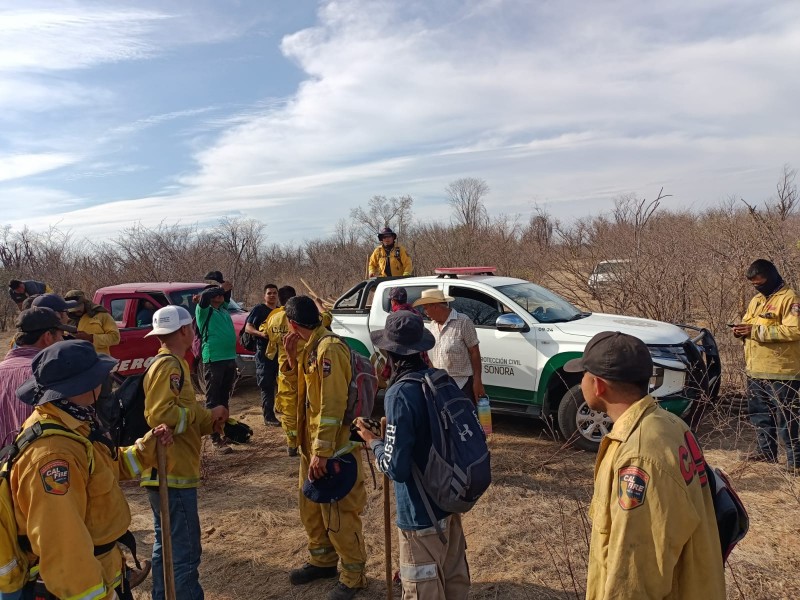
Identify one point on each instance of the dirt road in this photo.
(527, 538)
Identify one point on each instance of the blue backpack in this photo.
(458, 470)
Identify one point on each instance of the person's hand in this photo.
(290, 345)
(477, 389)
(365, 433)
(317, 468)
(164, 434)
(82, 335)
(219, 414)
(195, 298)
(742, 330)
(227, 286)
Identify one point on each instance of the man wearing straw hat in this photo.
(456, 350)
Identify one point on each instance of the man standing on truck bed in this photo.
(323, 374)
(266, 368)
(390, 259)
(771, 333)
(654, 529)
(456, 350)
(218, 340)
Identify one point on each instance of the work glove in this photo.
(237, 432)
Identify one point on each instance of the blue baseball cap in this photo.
(64, 370)
(54, 302)
(341, 476)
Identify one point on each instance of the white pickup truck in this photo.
(526, 335)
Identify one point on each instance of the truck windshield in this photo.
(542, 304)
(184, 298)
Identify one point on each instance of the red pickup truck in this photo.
(126, 303)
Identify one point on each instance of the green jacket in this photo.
(217, 334)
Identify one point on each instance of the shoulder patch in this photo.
(795, 309)
(175, 383)
(326, 367)
(632, 487)
(55, 477)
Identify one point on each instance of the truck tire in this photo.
(579, 423)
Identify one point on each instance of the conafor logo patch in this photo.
(632, 487)
(55, 477)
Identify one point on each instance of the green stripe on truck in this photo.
(357, 345)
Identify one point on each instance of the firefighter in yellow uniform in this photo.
(323, 376)
(390, 259)
(771, 333)
(65, 489)
(654, 530)
(93, 321)
(170, 399)
(276, 326)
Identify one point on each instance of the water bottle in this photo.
(485, 414)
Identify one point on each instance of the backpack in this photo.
(122, 411)
(732, 519)
(13, 559)
(459, 469)
(363, 384)
(247, 340)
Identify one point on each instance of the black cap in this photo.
(54, 302)
(303, 311)
(403, 334)
(340, 477)
(386, 231)
(40, 318)
(64, 370)
(615, 356)
(399, 294)
(213, 291)
(215, 276)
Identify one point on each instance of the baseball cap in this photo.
(40, 318)
(615, 356)
(399, 294)
(169, 319)
(54, 302)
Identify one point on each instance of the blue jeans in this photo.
(186, 550)
(774, 408)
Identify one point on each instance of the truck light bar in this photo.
(465, 270)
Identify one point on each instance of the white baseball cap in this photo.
(169, 319)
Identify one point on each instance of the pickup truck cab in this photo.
(527, 333)
(135, 352)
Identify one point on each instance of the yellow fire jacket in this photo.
(322, 396)
(400, 262)
(67, 500)
(103, 329)
(165, 402)
(773, 349)
(654, 533)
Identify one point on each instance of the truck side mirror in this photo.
(511, 322)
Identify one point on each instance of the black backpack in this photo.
(122, 411)
(247, 341)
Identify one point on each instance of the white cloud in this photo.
(558, 102)
(16, 166)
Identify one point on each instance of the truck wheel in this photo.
(580, 423)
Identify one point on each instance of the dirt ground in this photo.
(527, 537)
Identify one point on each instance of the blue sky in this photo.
(294, 112)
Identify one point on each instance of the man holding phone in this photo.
(771, 332)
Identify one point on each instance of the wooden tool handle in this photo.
(166, 528)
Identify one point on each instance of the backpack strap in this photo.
(43, 428)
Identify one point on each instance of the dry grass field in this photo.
(527, 538)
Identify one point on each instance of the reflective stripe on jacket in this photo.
(180, 410)
(66, 508)
(773, 349)
(654, 531)
(322, 393)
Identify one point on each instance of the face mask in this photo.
(772, 283)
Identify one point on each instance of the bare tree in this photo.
(394, 212)
(465, 197)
